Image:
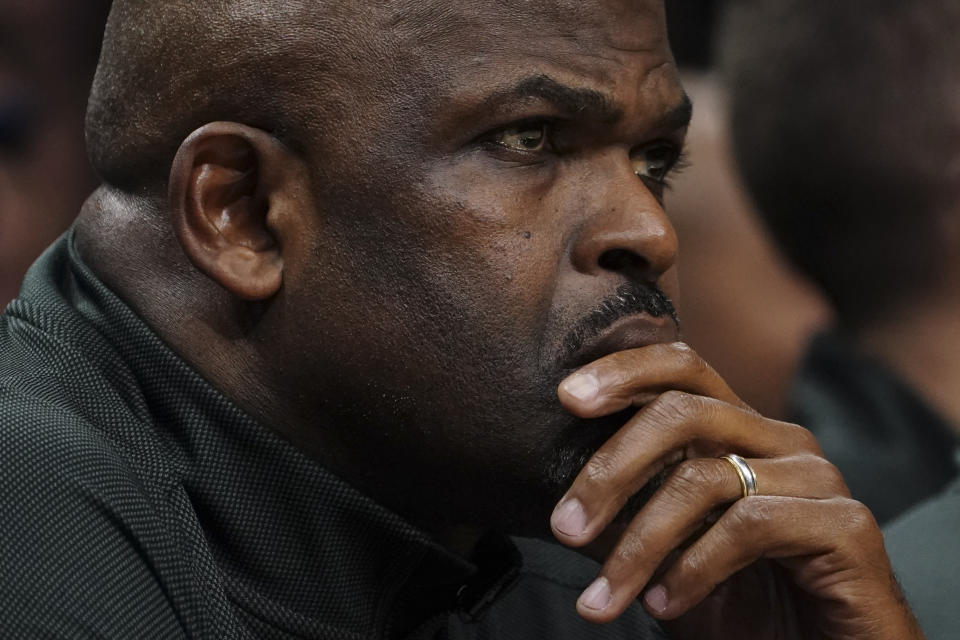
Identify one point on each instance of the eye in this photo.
(655, 162)
(528, 138)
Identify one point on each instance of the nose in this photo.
(626, 230)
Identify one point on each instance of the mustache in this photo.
(630, 298)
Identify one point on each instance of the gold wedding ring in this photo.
(748, 479)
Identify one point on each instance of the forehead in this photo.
(472, 47)
(457, 21)
(461, 35)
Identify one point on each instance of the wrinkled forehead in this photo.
(471, 47)
(463, 33)
(621, 21)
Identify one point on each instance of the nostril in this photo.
(623, 261)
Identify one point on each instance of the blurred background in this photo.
(820, 257)
(48, 53)
(741, 303)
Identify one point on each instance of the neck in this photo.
(924, 349)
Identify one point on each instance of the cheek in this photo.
(449, 284)
(444, 286)
(483, 248)
(496, 288)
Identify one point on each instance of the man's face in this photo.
(488, 186)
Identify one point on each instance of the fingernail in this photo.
(570, 518)
(597, 596)
(582, 386)
(656, 598)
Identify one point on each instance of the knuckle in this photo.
(831, 475)
(599, 472)
(690, 359)
(863, 536)
(859, 518)
(808, 441)
(628, 552)
(749, 514)
(801, 438)
(676, 405)
(694, 478)
(694, 563)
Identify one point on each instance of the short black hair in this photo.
(846, 125)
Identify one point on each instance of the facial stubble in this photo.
(577, 443)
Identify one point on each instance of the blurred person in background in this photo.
(48, 52)
(728, 262)
(846, 122)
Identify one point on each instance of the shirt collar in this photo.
(292, 540)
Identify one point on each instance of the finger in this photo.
(635, 377)
(682, 506)
(775, 528)
(674, 427)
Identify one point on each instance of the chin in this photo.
(575, 445)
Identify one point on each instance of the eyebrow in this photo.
(679, 117)
(570, 100)
(586, 102)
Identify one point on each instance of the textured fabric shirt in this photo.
(137, 501)
(892, 448)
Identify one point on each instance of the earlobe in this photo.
(224, 193)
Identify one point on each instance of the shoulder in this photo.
(46, 447)
(75, 549)
(923, 550)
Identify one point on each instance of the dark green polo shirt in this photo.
(925, 554)
(136, 501)
(892, 448)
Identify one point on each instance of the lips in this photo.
(630, 332)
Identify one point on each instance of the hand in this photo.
(799, 560)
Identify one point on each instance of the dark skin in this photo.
(803, 538)
(396, 294)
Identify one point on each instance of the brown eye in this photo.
(655, 162)
(526, 138)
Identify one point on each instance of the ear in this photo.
(230, 189)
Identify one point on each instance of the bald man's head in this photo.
(407, 213)
(170, 67)
(296, 69)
